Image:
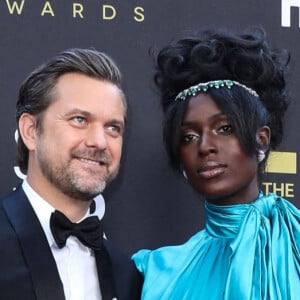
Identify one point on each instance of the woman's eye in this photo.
(227, 129)
(188, 138)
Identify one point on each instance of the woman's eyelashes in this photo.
(225, 129)
(189, 136)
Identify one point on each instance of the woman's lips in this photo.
(211, 169)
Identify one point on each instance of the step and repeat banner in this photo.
(148, 205)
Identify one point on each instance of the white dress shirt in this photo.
(75, 262)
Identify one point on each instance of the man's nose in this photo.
(96, 137)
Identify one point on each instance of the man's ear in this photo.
(263, 137)
(27, 130)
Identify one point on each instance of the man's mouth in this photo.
(92, 161)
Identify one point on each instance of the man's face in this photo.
(78, 146)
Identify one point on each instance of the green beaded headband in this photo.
(203, 87)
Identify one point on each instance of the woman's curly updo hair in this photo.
(214, 55)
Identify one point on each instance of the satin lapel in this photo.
(105, 274)
(34, 244)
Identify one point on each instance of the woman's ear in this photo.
(263, 137)
(27, 130)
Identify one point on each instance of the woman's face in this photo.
(211, 155)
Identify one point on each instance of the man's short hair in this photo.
(36, 92)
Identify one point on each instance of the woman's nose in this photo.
(207, 144)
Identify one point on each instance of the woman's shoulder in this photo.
(166, 255)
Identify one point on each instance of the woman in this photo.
(224, 98)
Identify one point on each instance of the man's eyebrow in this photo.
(78, 111)
(117, 122)
(89, 114)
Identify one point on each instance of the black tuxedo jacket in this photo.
(27, 267)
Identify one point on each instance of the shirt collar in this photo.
(43, 209)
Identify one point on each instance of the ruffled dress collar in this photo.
(246, 252)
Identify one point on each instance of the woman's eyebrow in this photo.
(212, 117)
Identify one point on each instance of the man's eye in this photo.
(115, 130)
(79, 120)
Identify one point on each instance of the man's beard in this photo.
(67, 178)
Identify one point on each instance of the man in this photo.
(71, 117)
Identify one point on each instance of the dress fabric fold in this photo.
(246, 252)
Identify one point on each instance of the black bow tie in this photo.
(89, 231)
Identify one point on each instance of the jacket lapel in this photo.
(118, 276)
(105, 274)
(36, 251)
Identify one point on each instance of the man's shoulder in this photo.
(16, 193)
(11, 206)
(8, 238)
(6, 203)
(128, 279)
(117, 256)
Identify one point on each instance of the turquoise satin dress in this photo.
(246, 252)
